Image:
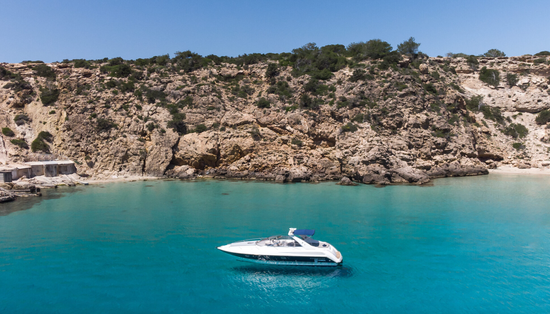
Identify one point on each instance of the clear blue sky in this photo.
(54, 30)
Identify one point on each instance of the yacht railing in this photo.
(252, 240)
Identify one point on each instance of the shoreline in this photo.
(123, 179)
(498, 171)
(514, 170)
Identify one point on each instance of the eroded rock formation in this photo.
(404, 124)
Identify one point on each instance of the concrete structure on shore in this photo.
(5, 176)
(51, 168)
(37, 168)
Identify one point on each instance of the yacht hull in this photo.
(285, 260)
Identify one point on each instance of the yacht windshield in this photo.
(310, 241)
(278, 241)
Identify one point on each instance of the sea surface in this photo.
(462, 245)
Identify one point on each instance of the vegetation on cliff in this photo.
(365, 111)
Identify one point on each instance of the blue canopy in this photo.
(307, 232)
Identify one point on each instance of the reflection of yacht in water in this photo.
(298, 248)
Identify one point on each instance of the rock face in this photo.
(6, 196)
(403, 125)
(346, 181)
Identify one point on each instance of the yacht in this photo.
(298, 249)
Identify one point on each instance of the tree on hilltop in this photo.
(408, 47)
(372, 49)
(493, 53)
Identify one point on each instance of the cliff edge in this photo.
(372, 121)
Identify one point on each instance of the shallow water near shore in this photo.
(477, 245)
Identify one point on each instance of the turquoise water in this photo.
(463, 245)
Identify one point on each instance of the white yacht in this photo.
(298, 248)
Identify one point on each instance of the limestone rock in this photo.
(423, 68)
(346, 181)
(385, 130)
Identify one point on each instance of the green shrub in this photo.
(456, 87)
(315, 87)
(349, 127)
(543, 117)
(174, 111)
(81, 88)
(18, 84)
(186, 102)
(430, 88)
(51, 112)
(492, 113)
(177, 125)
(153, 95)
(539, 61)
(297, 142)
(127, 87)
(20, 142)
(323, 74)
(408, 47)
(5, 74)
(474, 103)
(359, 118)
(342, 102)
(21, 119)
(263, 103)
(319, 63)
(307, 102)
(111, 84)
(242, 91)
(401, 86)
(390, 60)
(516, 130)
(359, 75)
(441, 133)
(187, 61)
(200, 128)
(489, 76)
(272, 70)
(49, 96)
(543, 53)
(493, 53)
(39, 144)
(7, 132)
(511, 79)
(122, 70)
(282, 89)
(372, 49)
(116, 61)
(518, 146)
(453, 119)
(44, 135)
(117, 68)
(45, 71)
(104, 125)
(81, 63)
(457, 55)
(472, 61)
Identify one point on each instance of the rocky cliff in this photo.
(407, 122)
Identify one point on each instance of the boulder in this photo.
(423, 68)
(280, 178)
(299, 173)
(412, 175)
(346, 181)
